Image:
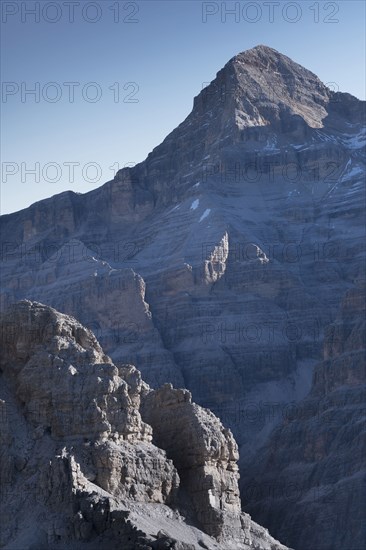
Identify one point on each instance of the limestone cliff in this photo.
(78, 467)
(313, 468)
(218, 262)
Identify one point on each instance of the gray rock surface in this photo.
(217, 263)
(205, 454)
(78, 468)
(312, 471)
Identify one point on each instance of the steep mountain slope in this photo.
(317, 455)
(78, 467)
(217, 262)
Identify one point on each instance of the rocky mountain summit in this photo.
(80, 467)
(218, 263)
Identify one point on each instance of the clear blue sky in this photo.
(169, 52)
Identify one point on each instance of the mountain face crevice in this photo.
(218, 263)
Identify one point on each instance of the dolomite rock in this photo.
(313, 465)
(218, 262)
(215, 265)
(111, 302)
(130, 472)
(78, 468)
(205, 454)
(63, 379)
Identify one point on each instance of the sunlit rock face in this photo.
(218, 262)
(205, 453)
(78, 465)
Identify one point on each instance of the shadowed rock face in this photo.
(217, 263)
(77, 463)
(313, 465)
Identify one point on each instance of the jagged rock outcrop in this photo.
(217, 263)
(66, 384)
(205, 454)
(313, 469)
(78, 467)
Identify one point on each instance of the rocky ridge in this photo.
(80, 468)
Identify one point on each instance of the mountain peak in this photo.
(260, 49)
(258, 98)
(268, 58)
(265, 87)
